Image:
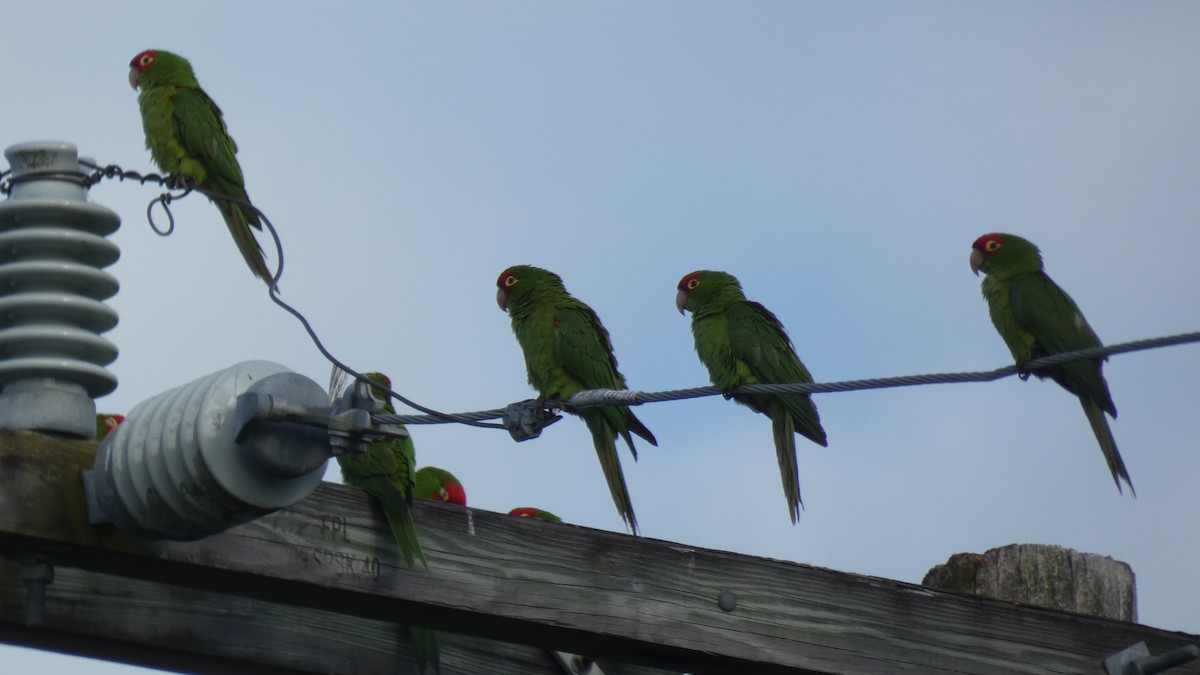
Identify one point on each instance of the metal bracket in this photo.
(526, 419)
(1136, 660)
(574, 664)
(350, 428)
(36, 573)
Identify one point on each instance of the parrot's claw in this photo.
(180, 182)
(727, 394)
(1023, 371)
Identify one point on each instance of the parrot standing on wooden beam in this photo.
(741, 342)
(106, 423)
(535, 513)
(385, 471)
(186, 136)
(1037, 318)
(439, 485)
(567, 350)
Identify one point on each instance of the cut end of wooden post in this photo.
(1045, 576)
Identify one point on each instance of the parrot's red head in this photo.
(143, 60)
(113, 420)
(452, 492)
(139, 65)
(996, 252)
(687, 284)
(507, 279)
(524, 511)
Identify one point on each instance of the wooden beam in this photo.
(558, 586)
(178, 628)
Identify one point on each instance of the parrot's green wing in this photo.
(583, 348)
(585, 351)
(1047, 313)
(1057, 325)
(203, 134)
(759, 340)
(377, 471)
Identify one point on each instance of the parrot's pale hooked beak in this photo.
(135, 78)
(681, 301)
(976, 261)
(502, 299)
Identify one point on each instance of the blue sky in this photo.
(839, 158)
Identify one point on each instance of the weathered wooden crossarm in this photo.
(572, 588)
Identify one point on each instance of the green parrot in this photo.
(186, 136)
(385, 471)
(1037, 318)
(439, 485)
(566, 351)
(532, 512)
(106, 423)
(741, 342)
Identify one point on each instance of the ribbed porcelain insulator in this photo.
(173, 469)
(52, 287)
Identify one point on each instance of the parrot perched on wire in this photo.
(439, 485)
(1037, 318)
(568, 350)
(532, 512)
(186, 136)
(385, 471)
(106, 423)
(741, 342)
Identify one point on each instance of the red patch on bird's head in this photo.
(453, 493)
(111, 422)
(988, 242)
(525, 511)
(506, 279)
(143, 60)
(689, 282)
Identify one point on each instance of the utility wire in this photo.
(186, 187)
(598, 397)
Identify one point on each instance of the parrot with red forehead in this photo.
(1037, 318)
(186, 136)
(106, 423)
(567, 350)
(439, 485)
(535, 513)
(741, 342)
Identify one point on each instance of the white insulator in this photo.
(52, 251)
(174, 469)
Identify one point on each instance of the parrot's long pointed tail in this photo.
(604, 438)
(1108, 445)
(784, 430)
(239, 221)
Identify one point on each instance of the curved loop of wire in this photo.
(187, 187)
(165, 200)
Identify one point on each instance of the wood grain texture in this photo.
(549, 585)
